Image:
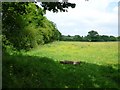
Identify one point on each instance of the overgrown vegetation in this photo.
(40, 68)
(25, 26)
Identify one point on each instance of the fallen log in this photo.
(70, 62)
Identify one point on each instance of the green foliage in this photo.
(66, 38)
(57, 6)
(71, 38)
(77, 38)
(118, 38)
(25, 26)
(112, 38)
(92, 36)
(36, 68)
(7, 47)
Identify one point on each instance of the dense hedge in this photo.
(25, 26)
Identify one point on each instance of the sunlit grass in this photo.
(92, 52)
(40, 67)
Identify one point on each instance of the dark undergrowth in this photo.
(41, 72)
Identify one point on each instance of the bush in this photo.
(27, 28)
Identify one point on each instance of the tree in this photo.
(104, 38)
(93, 36)
(57, 6)
(112, 38)
(77, 38)
(25, 25)
(118, 38)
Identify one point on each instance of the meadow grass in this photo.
(92, 52)
(40, 67)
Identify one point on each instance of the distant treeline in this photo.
(92, 36)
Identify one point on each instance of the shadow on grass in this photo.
(34, 72)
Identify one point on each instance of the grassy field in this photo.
(40, 67)
(92, 52)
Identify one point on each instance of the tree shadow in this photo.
(21, 71)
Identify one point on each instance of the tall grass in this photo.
(40, 67)
(92, 52)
